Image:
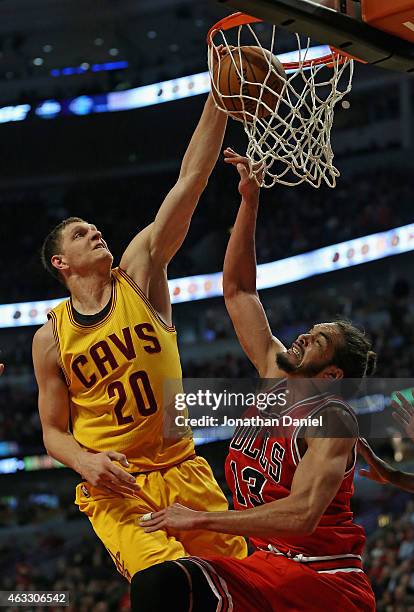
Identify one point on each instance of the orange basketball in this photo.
(254, 66)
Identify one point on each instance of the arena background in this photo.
(114, 168)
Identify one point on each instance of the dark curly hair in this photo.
(354, 355)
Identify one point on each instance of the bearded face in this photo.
(311, 353)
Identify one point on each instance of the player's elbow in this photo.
(309, 525)
(304, 526)
(233, 290)
(49, 440)
(230, 290)
(307, 521)
(48, 444)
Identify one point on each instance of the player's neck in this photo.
(90, 294)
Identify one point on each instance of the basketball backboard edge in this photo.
(323, 21)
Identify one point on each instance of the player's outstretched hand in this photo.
(404, 413)
(378, 470)
(100, 470)
(1, 368)
(250, 178)
(176, 517)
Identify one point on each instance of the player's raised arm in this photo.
(162, 239)
(239, 279)
(96, 468)
(147, 256)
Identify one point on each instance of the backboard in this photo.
(340, 23)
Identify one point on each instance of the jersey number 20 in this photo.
(143, 394)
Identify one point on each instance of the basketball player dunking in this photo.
(101, 362)
(291, 487)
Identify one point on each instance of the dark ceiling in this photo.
(160, 39)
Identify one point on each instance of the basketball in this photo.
(244, 93)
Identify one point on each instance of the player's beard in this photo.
(305, 371)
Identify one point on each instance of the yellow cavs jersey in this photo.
(122, 373)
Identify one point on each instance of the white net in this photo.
(288, 128)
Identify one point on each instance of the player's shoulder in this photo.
(122, 279)
(337, 420)
(43, 336)
(44, 351)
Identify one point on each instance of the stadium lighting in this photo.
(138, 97)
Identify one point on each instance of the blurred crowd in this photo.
(389, 562)
(291, 220)
(53, 562)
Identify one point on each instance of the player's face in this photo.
(311, 353)
(83, 247)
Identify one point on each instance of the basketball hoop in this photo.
(292, 142)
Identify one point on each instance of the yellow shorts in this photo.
(115, 518)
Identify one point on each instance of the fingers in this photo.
(231, 157)
(155, 522)
(223, 50)
(404, 411)
(108, 489)
(123, 478)
(112, 486)
(118, 457)
(242, 170)
(400, 420)
(148, 520)
(409, 408)
(405, 416)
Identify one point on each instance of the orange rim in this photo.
(238, 19)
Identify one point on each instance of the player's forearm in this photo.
(63, 447)
(240, 269)
(402, 480)
(280, 518)
(173, 218)
(205, 145)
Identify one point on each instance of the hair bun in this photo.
(371, 363)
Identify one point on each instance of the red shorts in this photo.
(271, 583)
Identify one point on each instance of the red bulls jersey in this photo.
(260, 468)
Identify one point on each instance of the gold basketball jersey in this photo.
(122, 374)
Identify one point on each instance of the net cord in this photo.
(292, 143)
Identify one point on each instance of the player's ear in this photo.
(58, 262)
(332, 372)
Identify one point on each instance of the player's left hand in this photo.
(250, 177)
(176, 517)
(404, 413)
(379, 470)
